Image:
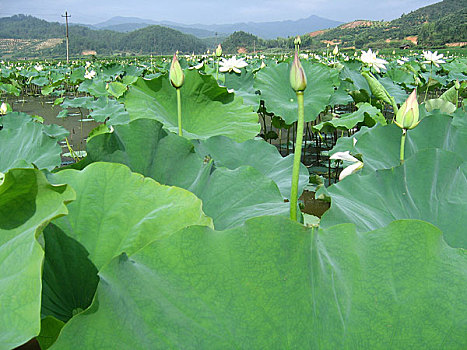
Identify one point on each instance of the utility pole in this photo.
(67, 48)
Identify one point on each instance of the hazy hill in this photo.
(128, 24)
(272, 30)
(265, 30)
(148, 40)
(433, 25)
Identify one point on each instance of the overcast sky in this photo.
(211, 11)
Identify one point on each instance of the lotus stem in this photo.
(428, 84)
(297, 156)
(404, 134)
(179, 111)
(394, 105)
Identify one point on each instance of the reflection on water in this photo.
(77, 122)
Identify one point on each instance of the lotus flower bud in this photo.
(408, 115)
(377, 88)
(176, 75)
(335, 51)
(219, 50)
(298, 40)
(297, 75)
(3, 108)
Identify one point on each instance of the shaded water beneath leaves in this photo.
(43, 107)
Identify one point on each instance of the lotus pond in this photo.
(152, 203)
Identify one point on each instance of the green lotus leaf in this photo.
(259, 154)
(95, 87)
(146, 148)
(123, 210)
(280, 99)
(27, 203)
(232, 196)
(117, 89)
(431, 186)
(207, 109)
(380, 146)
(24, 142)
(50, 329)
(350, 120)
(69, 278)
(441, 104)
(243, 85)
(394, 90)
(274, 284)
(104, 108)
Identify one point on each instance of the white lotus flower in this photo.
(3, 108)
(232, 64)
(370, 59)
(402, 60)
(90, 75)
(198, 66)
(38, 67)
(433, 58)
(357, 165)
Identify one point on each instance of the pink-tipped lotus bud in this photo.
(219, 50)
(408, 115)
(297, 75)
(176, 75)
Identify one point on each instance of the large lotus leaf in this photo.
(95, 87)
(350, 120)
(207, 109)
(380, 146)
(145, 147)
(27, 203)
(243, 85)
(401, 75)
(169, 159)
(69, 278)
(274, 284)
(394, 90)
(232, 196)
(119, 211)
(256, 153)
(24, 142)
(354, 76)
(50, 329)
(274, 84)
(105, 108)
(430, 186)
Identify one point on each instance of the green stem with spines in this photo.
(179, 112)
(297, 156)
(428, 84)
(404, 134)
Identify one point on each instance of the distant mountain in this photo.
(435, 25)
(118, 20)
(265, 30)
(272, 30)
(128, 24)
(27, 36)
